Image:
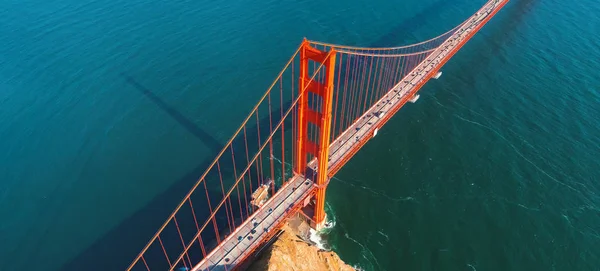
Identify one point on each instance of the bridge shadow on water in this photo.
(400, 35)
(499, 36)
(116, 249)
(397, 36)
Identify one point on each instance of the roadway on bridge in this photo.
(242, 241)
(364, 127)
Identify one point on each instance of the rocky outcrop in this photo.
(289, 252)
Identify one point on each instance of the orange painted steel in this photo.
(302, 124)
(322, 119)
(325, 137)
(314, 102)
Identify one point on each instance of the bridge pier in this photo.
(308, 214)
(319, 226)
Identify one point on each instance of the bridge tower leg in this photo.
(319, 116)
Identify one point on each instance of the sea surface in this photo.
(494, 168)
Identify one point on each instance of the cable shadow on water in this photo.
(118, 247)
(498, 38)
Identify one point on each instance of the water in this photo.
(494, 168)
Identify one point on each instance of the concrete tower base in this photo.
(319, 226)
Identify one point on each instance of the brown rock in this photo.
(289, 252)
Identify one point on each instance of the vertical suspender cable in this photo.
(368, 86)
(211, 213)
(164, 251)
(202, 249)
(183, 244)
(260, 165)
(271, 147)
(337, 91)
(235, 175)
(344, 95)
(248, 162)
(283, 177)
(145, 264)
(228, 203)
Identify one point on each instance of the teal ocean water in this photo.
(109, 110)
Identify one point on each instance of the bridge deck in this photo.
(232, 250)
(254, 229)
(364, 127)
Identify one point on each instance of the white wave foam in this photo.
(316, 238)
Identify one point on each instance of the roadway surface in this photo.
(246, 237)
(364, 127)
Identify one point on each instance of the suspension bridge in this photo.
(324, 105)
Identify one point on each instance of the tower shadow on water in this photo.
(116, 249)
(204, 136)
